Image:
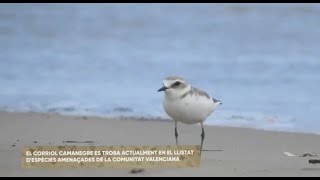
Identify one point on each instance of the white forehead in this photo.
(172, 79)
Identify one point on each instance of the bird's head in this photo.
(174, 86)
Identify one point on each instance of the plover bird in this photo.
(187, 104)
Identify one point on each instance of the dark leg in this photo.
(176, 133)
(202, 138)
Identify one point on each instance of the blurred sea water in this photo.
(260, 60)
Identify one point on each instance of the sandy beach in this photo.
(244, 152)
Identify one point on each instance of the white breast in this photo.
(190, 109)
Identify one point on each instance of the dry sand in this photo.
(245, 152)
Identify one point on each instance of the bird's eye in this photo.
(177, 83)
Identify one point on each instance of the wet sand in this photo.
(244, 152)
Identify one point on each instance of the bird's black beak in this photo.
(163, 89)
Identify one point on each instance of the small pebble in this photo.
(314, 161)
(135, 171)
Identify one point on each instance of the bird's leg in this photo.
(176, 132)
(202, 138)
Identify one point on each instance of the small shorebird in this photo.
(186, 104)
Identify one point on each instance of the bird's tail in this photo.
(216, 101)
